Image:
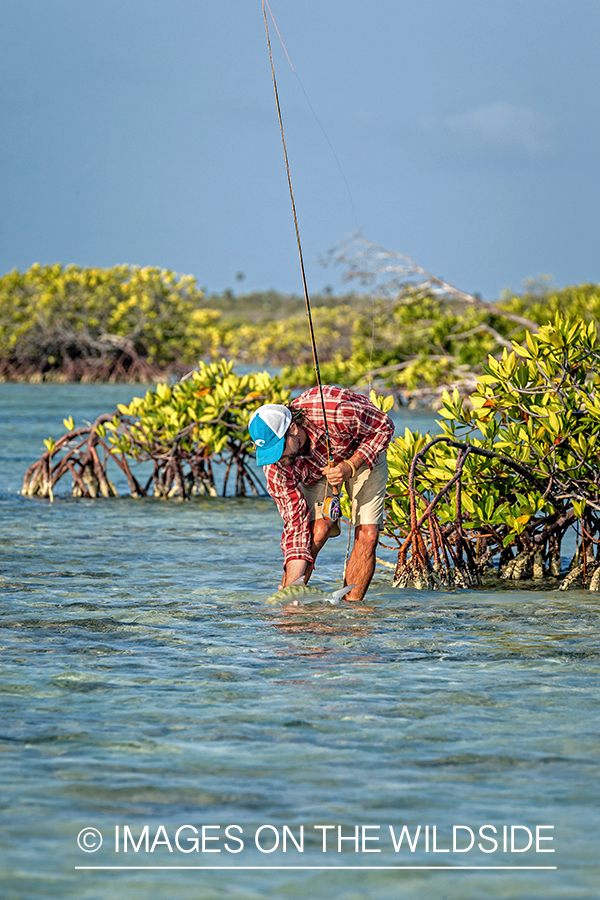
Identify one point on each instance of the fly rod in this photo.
(304, 284)
(331, 510)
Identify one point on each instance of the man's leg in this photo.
(361, 564)
(367, 493)
(320, 530)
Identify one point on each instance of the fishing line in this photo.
(335, 156)
(304, 284)
(317, 120)
(331, 508)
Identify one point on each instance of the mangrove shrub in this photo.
(510, 474)
(181, 429)
(97, 324)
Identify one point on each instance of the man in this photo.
(291, 444)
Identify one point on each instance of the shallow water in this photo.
(144, 682)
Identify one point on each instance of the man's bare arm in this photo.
(294, 569)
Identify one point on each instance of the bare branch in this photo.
(389, 273)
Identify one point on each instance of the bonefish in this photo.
(299, 594)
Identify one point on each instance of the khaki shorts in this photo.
(366, 491)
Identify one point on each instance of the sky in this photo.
(465, 133)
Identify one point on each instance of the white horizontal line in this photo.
(321, 868)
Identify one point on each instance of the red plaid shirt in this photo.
(355, 426)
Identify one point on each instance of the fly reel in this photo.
(332, 509)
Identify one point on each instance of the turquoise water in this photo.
(144, 682)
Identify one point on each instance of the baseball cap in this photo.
(267, 426)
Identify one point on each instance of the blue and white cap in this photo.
(267, 426)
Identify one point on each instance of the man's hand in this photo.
(338, 474)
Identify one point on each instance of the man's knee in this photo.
(367, 536)
(320, 530)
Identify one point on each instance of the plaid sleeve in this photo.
(370, 425)
(293, 509)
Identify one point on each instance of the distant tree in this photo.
(96, 324)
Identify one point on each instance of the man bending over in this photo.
(291, 444)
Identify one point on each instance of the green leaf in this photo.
(467, 503)
(532, 344)
(554, 422)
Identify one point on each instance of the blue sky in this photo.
(146, 133)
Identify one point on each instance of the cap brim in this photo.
(266, 456)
